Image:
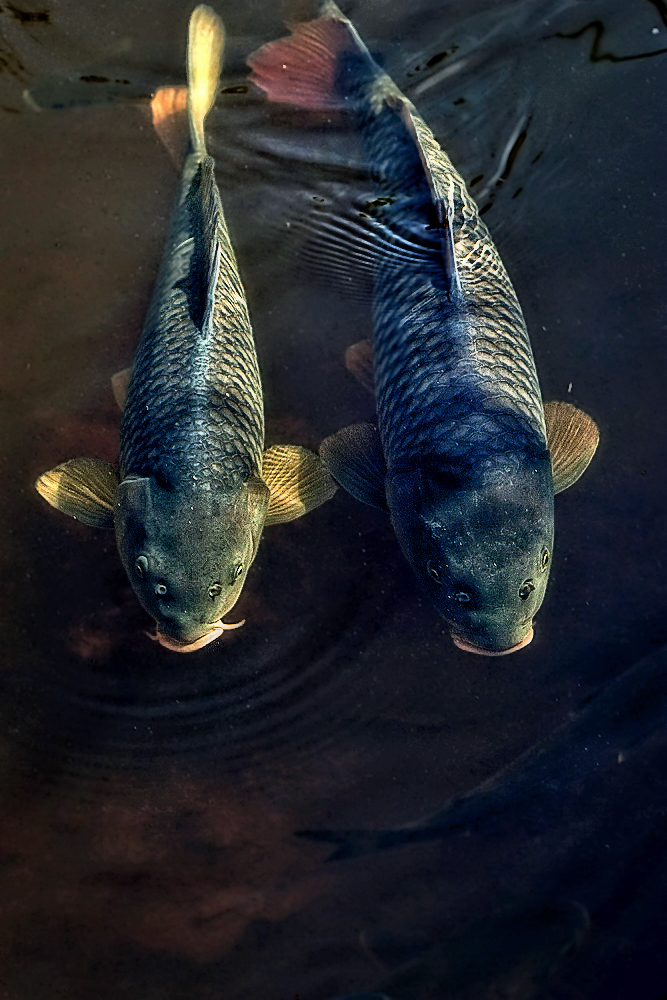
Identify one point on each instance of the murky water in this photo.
(151, 801)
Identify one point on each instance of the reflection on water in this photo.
(150, 804)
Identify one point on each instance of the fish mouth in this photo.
(190, 645)
(469, 647)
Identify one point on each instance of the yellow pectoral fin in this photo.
(573, 438)
(84, 488)
(297, 480)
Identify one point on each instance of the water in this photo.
(150, 800)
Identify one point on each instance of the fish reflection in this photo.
(196, 488)
(509, 954)
(619, 720)
(181, 868)
(464, 457)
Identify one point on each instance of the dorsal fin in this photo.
(309, 69)
(439, 197)
(203, 202)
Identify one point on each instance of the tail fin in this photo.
(170, 121)
(301, 69)
(206, 42)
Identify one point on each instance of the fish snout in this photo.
(181, 627)
(183, 639)
(492, 648)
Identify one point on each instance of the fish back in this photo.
(194, 410)
(194, 406)
(453, 366)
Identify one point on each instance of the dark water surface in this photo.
(150, 800)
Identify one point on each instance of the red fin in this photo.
(170, 120)
(301, 69)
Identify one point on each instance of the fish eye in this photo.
(238, 569)
(462, 596)
(545, 558)
(141, 565)
(433, 571)
(160, 589)
(214, 590)
(526, 589)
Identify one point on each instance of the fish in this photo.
(511, 953)
(625, 716)
(464, 455)
(195, 487)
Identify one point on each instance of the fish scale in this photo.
(460, 456)
(432, 355)
(196, 488)
(421, 337)
(194, 406)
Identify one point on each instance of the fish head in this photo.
(187, 555)
(480, 543)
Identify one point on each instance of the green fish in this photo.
(196, 487)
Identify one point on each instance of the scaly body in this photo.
(460, 456)
(196, 487)
(194, 415)
(454, 370)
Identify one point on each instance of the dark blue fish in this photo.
(507, 954)
(464, 456)
(626, 715)
(196, 487)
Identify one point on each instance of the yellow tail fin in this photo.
(206, 41)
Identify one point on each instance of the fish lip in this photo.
(190, 646)
(469, 647)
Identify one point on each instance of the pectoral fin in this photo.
(120, 383)
(84, 488)
(297, 480)
(573, 438)
(207, 226)
(359, 362)
(354, 457)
